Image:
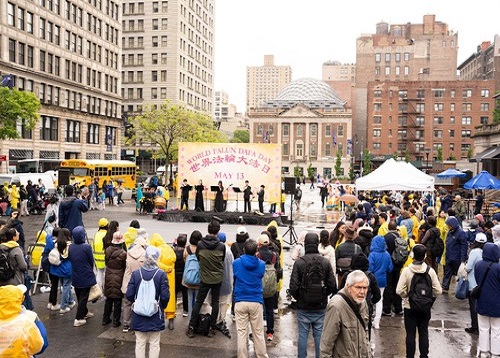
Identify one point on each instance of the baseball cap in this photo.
(263, 239)
(103, 222)
(241, 230)
(481, 238)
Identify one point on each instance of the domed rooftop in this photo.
(309, 91)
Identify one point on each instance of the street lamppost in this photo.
(427, 152)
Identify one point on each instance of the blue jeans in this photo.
(66, 296)
(306, 320)
(191, 300)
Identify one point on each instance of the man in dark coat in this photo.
(71, 209)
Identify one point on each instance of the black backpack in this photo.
(313, 288)
(437, 248)
(401, 252)
(203, 324)
(420, 293)
(6, 269)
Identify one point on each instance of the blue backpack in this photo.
(145, 303)
(192, 270)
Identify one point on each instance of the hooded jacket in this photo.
(64, 269)
(115, 260)
(136, 256)
(487, 303)
(248, 272)
(456, 242)
(14, 196)
(70, 212)
(211, 253)
(380, 260)
(166, 262)
(82, 260)
(130, 236)
(16, 259)
(405, 281)
(20, 335)
(299, 271)
(278, 241)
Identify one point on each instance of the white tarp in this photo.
(396, 175)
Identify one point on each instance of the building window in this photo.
(340, 130)
(155, 41)
(164, 42)
(313, 150)
(466, 93)
(466, 121)
(20, 18)
(484, 120)
(377, 107)
(407, 70)
(285, 150)
(155, 24)
(92, 133)
(376, 145)
(466, 133)
(73, 131)
(452, 133)
(438, 107)
(485, 106)
(452, 107)
(387, 70)
(402, 121)
(377, 132)
(420, 120)
(466, 107)
(397, 57)
(420, 107)
(401, 134)
(438, 134)
(485, 93)
(407, 56)
(397, 72)
(328, 131)
(438, 93)
(12, 50)
(286, 130)
(387, 57)
(300, 130)
(377, 57)
(11, 14)
(49, 128)
(377, 93)
(154, 76)
(314, 130)
(328, 149)
(155, 6)
(154, 93)
(299, 149)
(438, 120)
(377, 119)
(22, 129)
(420, 94)
(154, 58)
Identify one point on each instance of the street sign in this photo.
(3, 158)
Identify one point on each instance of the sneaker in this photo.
(276, 311)
(89, 315)
(79, 322)
(126, 329)
(72, 305)
(64, 310)
(116, 324)
(211, 333)
(388, 314)
(185, 314)
(270, 337)
(400, 313)
(190, 332)
(52, 307)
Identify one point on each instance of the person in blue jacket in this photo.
(381, 266)
(71, 209)
(456, 250)
(82, 273)
(64, 271)
(148, 329)
(487, 306)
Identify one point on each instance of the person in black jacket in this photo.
(360, 262)
(310, 317)
(390, 298)
(247, 193)
(179, 248)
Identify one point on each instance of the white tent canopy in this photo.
(394, 175)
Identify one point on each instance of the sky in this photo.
(305, 34)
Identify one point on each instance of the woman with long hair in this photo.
(63, 271)
(113, 227)
(337, 235)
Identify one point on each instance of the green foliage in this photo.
(14, 106)
(367, 162)
(452, 156)
(296, 171)
(407, 155)
(439, 156)
(352, 176)
(167, 125)
(395, 155)
(310, 171)
(241, 136)
(469, 153)
(338, 164)
(496, 116)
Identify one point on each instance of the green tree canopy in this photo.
(241, 136)
(367, 162)
(338, 164)
(439, 156)
(17, 106)
(168, 124)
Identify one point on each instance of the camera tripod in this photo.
(291, 230)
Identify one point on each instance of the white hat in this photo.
(241, 230)
(481, 238)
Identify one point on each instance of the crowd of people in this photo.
(382, 260)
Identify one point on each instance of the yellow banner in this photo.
(232, 163)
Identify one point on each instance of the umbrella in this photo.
(451, 173)
(348, 198)
(483, 180)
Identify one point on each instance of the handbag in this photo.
(95, 293)
(476, 291)
(462, 289)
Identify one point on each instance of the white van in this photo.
(49, 179)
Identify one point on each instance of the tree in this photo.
(338, 164)
(310, 171)
(496, 116)
(439, 156)
(17, 106)
(407, 155)
(168, 124)
(452, 156)
(469, 153)
(395, 155)
(240, 136)
(296, 171)
(367, 162)
(352, 175)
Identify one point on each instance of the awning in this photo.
(489, 153)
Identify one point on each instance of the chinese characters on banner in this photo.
(232, 163)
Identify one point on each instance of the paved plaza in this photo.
(449, 317)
